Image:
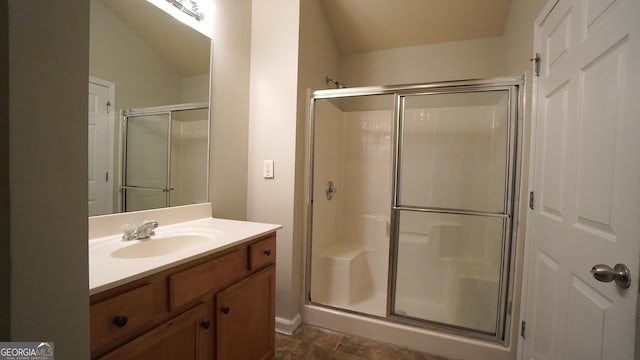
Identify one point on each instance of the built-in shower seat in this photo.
(348, 276)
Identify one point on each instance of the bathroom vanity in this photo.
(209, 301)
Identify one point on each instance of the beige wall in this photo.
(49, 48)
(517, 46)
(118, 55)
(457, 60)
(506, 55)
(272, 133)
(291, 50)
(4, 172)
(230, 108)
(195, 89)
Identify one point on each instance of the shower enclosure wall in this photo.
(412, 196)
(165, 156)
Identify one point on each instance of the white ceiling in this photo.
(369, 25)
(183, 48)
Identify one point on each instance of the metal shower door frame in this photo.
(509, 232)
(516, 102)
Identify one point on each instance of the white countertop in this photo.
(107, 271)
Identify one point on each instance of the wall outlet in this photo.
(267, 169)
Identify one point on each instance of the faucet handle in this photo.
(129, 231)
(154, 224)
(150, 224)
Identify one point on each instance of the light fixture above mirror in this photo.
(190, 7)
(196, 14)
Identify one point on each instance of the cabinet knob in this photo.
(205, 324)
(120, 321)
(267, 252)
(225, 310)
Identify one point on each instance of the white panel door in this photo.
(100, 182)
(586, 180)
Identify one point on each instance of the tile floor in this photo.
(314, 343)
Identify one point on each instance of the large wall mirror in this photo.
(148, 109)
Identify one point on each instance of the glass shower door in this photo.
(352, 158)
(452, 209)
(146, 162)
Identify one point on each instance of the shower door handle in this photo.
(130, 187)
(620, 273)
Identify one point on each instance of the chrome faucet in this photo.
(144, 231)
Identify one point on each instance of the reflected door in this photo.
(146, 157)
(453, 208)
(100, 183)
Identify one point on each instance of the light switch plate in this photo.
(267, 169)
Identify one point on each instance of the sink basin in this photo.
(159, 246)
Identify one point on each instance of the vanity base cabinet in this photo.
(185, 337)
(221, 306)
(245, 314)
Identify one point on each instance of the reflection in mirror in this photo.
(143, 60)
(165, 156)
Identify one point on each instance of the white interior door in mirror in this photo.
(100, 149)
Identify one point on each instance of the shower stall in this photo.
(412, 196)
(165, 156)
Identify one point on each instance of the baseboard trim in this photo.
(288, 326)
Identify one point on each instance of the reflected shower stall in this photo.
(165, 156)
(413, 190)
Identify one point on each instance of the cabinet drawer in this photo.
(121, 315)
(262, 253)
(191, 284)
(186, 336)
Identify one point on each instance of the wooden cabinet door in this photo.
(188, 336)
(245, 318)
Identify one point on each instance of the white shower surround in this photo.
(350, 257)
(351, 231)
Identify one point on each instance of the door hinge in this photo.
(522, 328)
(536, 64)
(531, 200)
(108, 105)
(106, 177)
